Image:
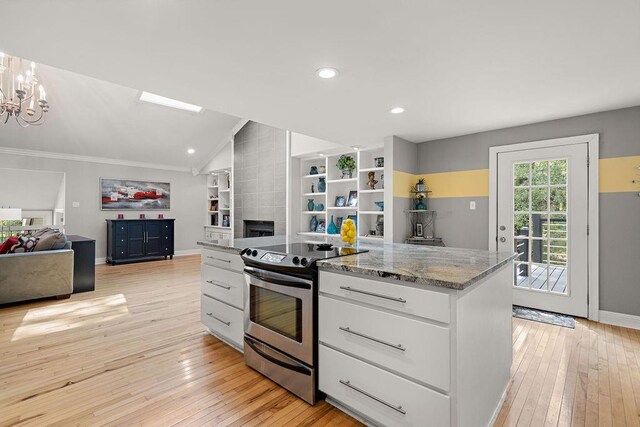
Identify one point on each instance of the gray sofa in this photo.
(33, 275)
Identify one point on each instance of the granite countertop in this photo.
(452, 268)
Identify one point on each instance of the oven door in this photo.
(278, 311)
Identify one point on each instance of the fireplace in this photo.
(258, 228)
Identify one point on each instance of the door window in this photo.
(540, 225)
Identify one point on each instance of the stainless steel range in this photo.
(280, 313)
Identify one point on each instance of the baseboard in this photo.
(494, 417)
(620, 319)
(185, 252)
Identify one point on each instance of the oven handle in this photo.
(278, 362)
(278, 279)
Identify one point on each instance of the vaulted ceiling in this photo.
(456, 66)
(91, 117)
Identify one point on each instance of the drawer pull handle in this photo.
(394, 346)
(348, 288)
(222, 285)
(371, 396)
(218, 319)
(219, 259)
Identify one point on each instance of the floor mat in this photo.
(544, 317)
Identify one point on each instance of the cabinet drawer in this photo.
(407, 300)
(416, 349)
(224, 285)
(379, 395)
(222, 259)
(222, 319)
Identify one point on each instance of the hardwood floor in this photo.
(134, 353)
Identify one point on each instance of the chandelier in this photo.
(20, 94)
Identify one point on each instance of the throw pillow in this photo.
(50, 240)
(25, 244)
(8, 244)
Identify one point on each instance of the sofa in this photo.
(45, 270)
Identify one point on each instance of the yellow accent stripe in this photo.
(471, 183)
(615, 175)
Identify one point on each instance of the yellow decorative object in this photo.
(348, 231)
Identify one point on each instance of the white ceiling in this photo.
(30, 190)
(91, 117)
(457, 66)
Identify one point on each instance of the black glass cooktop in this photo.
(312, 251)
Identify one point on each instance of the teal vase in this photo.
(322, 185)
(314, 223)
(310, 204)
(332, 229)
(420, 206)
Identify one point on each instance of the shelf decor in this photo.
(322, 185)
(372, 180)
(420, 194)
(346, 164)
(310, 204)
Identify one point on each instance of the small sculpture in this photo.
(372, 180)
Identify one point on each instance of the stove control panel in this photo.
(259, 256)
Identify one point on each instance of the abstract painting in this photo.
(125, 194)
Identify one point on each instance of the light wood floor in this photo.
(134, 353)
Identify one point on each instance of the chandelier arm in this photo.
(6, 119)
(34, 121)
(18, 118)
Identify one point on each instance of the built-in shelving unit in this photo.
(219, 222)
(365, 211)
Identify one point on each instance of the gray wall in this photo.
(404, 158)
(188, 201)
(259, 168)
(619, 132)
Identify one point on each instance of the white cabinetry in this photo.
(222, 296)
(400, 354)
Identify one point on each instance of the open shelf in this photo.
(342, 208)
(377, 190)
(314, 194)
(314, 212)
(340, 180)
(380, 169)
(371, 212)
(316, 175)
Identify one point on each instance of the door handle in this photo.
(371, 396)
(373, 294)
(218, 319)
(213, 282)
(503, 239)
(360, 334)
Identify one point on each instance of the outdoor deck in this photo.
(557, 278)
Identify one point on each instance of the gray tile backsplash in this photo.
(260, 176)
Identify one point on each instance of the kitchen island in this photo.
(408, 335)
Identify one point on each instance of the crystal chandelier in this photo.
(18, 97)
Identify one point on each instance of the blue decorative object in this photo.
(322, 185)
(420, 206)
(314, 223)
(314, 170)
(380, 205)
(320, 207)
(310, 204)
(332, 228)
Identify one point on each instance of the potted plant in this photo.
(346, 164)
(420, 186)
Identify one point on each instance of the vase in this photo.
(420, 206)
(322, 169)
(314, 223)
(310, 205)
(420, 187)
(322, 185)
(347, 173)
(332, 228)
(313, 170)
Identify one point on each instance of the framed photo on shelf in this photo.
(339, 222)
(419, 230)
(340, 201)
(353, 199)
(322, 226)
(354, 218)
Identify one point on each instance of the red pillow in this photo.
(8, 244)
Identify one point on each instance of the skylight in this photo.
(168, 102)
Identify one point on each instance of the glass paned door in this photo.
(542, 217)
(540, 225)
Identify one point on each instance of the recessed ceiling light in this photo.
(397, 110)
(168, 102)
(355, 148)
(326, 73)
(321, 154)
(191, 151)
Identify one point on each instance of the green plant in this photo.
(346, 162)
